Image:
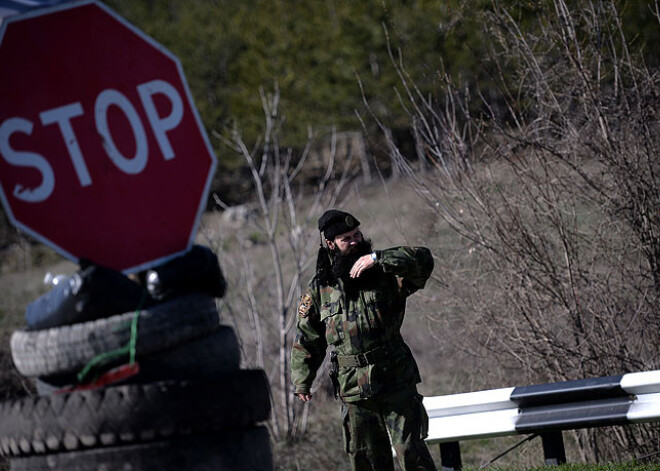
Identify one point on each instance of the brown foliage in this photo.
(555, 187)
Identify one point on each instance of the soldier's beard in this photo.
(342, 264)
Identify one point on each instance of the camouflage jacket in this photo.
(367, 323)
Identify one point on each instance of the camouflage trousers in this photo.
(369, 425)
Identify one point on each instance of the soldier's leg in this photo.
(407, 423)
(365, 437)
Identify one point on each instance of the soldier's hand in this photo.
(363, 263)
(304, 397)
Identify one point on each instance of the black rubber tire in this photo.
(207, 357)
(68, 349)
(132, 413)
(238, 450)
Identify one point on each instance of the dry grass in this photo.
(435, 325)
(390, 215)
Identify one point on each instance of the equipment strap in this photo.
(363, 359)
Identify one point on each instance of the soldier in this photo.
(356, 303)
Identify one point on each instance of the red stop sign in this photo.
(102, 153)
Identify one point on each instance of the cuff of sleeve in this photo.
(302, 389)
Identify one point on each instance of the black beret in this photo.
(334, 222)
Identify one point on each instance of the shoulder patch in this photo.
(305, 305)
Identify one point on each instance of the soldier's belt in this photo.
(363, 359)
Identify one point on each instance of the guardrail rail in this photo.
(543, 409)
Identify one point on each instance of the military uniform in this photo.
(377, 374)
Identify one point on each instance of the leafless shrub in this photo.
(276, 256)
(556, 187)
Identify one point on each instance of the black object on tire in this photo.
(206, 357)
(68, 349)
(132, 413)
(237, 450)
(90, 293)
(196, 271)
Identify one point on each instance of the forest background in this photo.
(516, 139)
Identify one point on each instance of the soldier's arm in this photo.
(413, 264)
(309, 346)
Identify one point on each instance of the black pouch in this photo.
(196, 271)
(334, 373)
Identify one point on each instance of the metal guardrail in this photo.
(544, 409)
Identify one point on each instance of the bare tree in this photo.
(555, 186)
(269, 291)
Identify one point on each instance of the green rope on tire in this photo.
(132, 342)
(129, 349)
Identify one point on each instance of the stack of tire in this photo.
(153, 388)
